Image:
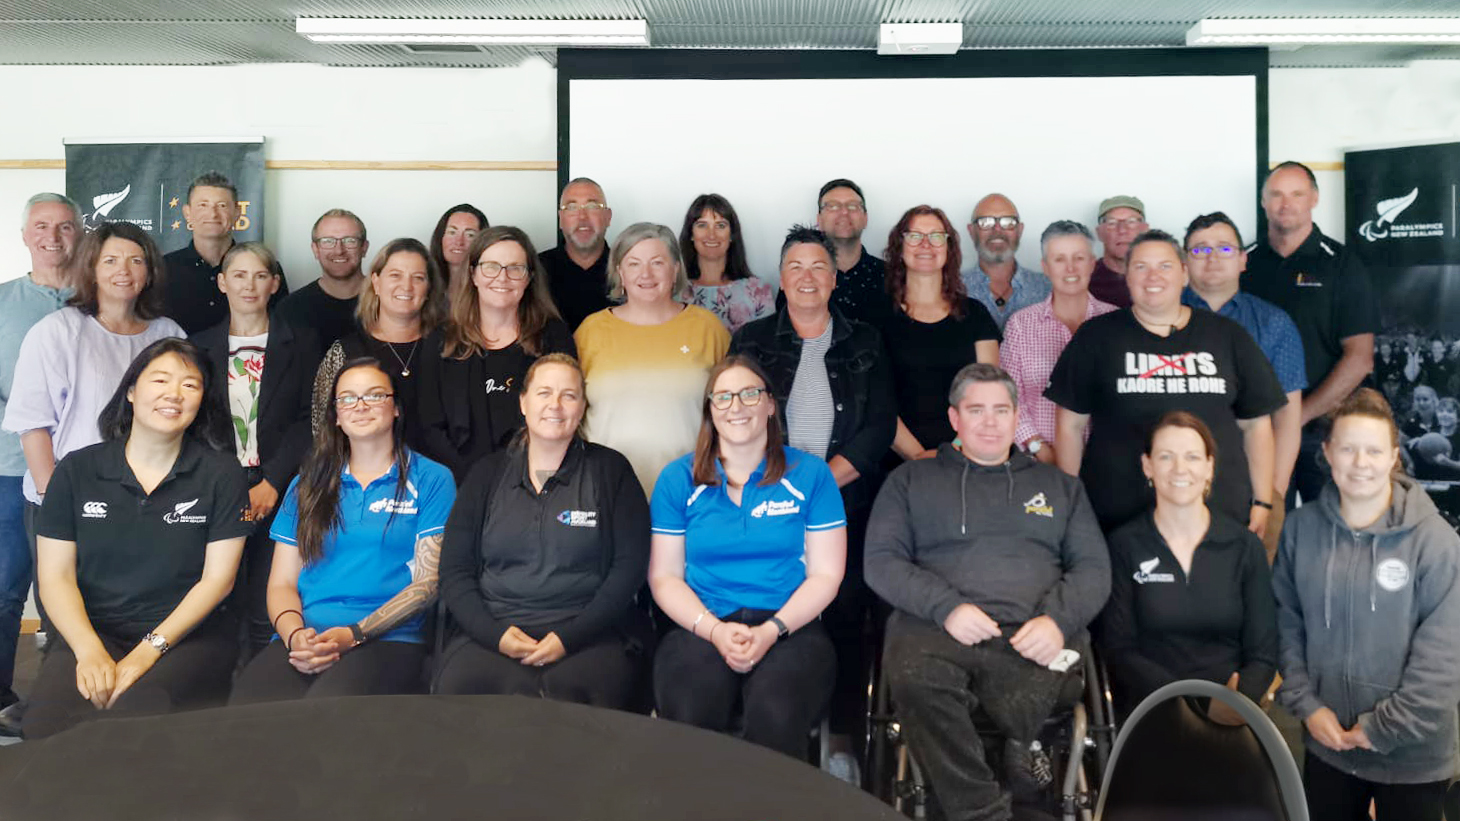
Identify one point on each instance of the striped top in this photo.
(810, 409)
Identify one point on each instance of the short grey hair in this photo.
(982, 372)
(633, 235)
(47, 196)
(1064, 228)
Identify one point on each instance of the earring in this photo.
(1206, 492)
(1150, 483)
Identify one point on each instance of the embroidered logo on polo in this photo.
(1188, 373)
(1144, 574)
(390, 504)
(769, 508)
(93, 510)
(1039, 506)
(179, 514)
(1306, 280)
(1392, 574)
(579, 518)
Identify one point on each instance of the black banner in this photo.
(1402, 206)
(147, 184)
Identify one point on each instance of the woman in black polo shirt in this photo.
(138, 542)
(544, 551)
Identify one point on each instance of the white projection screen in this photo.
(1184, 130)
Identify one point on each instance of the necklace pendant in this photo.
(406, 372)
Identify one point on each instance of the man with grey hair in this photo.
(50, 227)
(577, 269)
(327, 305)
(988, 600)
(996, 278)
(1120, 219)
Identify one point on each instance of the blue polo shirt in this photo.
(752, 554)
(368, 559)
(1272, 329)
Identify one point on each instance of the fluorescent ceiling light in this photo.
(486, 32)
(1324, 31)
(919, 38)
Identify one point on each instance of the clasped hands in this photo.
(531, 652)
(312, 652)
(1040, 640)
(1326, 730)
(101, 681)
(742, 646)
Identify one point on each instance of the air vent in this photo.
(441, 48)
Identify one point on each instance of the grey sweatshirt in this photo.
(1369, 626)
(1017, 540)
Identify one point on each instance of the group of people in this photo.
(639, 477)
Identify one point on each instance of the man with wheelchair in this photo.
(995, 564)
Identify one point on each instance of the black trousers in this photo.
(611, 672)
(782, 698)
(1334, 795)
(31, 512)
(379, 668)
(193, 674)
(249, 601)
(854, 631)
(1311, 472)
(937, 685)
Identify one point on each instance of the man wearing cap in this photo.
(1121, 218)
(996, 278)
(1327, 292)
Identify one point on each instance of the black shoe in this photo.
(7, 698)
(1027, 767)
(10, 719)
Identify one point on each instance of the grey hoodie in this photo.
(1017, 540)
(1369, 626)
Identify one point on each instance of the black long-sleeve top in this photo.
(1162, 625)
(577, 552)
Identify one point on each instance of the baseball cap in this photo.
(1120, 201)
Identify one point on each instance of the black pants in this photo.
(193, 674)
(31, 512)
(938, 683)
(610, 672)
(1334, 795)
(379, 668)
(249, 601)
(782, 697)
(854, 632)
(1311, 471)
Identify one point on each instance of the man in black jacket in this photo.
(831, 377)
(996, 564)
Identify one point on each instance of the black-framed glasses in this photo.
(937, 239)
(1224, 251)
(491, 269)
(330, 242)
(1003, 222)
(346, 401)
(586, 207)
(849, 207)
(749, 397)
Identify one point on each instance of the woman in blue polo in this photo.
(357, 542)
(749, 546)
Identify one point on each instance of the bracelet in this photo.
(1262, 504)
(284, 613)
(711, 638)
(289, 642)
(696, 624)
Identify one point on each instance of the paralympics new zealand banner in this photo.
(147, 184)
(1402, 206)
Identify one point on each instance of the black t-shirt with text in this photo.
(1125, 378)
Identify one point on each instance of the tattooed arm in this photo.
(416, 596)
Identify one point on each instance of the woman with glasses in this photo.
(935, 328)
(401, 304)
(468, 402)
(451, 241)
(749, 546)
(646, 360)
(543, 557)
(357, 542)
(714, 256)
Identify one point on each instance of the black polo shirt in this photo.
(311, 307)
(138, 554)
(192, 299)
(1324, 288)
(577, 291)
(860, 293)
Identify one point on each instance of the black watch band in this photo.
(357, 634)
(1262, 504)
(781, 629)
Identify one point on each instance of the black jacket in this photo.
(290, 359)
(860, 374)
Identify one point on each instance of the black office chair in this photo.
(1172, 762)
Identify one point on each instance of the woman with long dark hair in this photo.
(454, 233)
(749, 546)
(138, 543)
(720, 280)
(358, 539)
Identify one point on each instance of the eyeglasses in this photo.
(849, 207)
(937, 239)
(749, 397)
(1209, 251)
(329, 242)
(491, 269)
(1129, 223)
(347, 401)
(989, 222)
(589, 207)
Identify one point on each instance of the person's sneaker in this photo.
(1027, 767)
(843, 766)
(41, 639)
(10, 720)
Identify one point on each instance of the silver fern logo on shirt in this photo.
(179, 514)
(1144, 574)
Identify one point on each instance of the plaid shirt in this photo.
(1033, 340)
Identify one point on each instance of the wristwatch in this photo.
(781, 629)
(158, 643)
(1034, 446)
(357, 635)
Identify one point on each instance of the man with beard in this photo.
(328, 304)
(997, 279)
(577, 270)
(861, 278)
